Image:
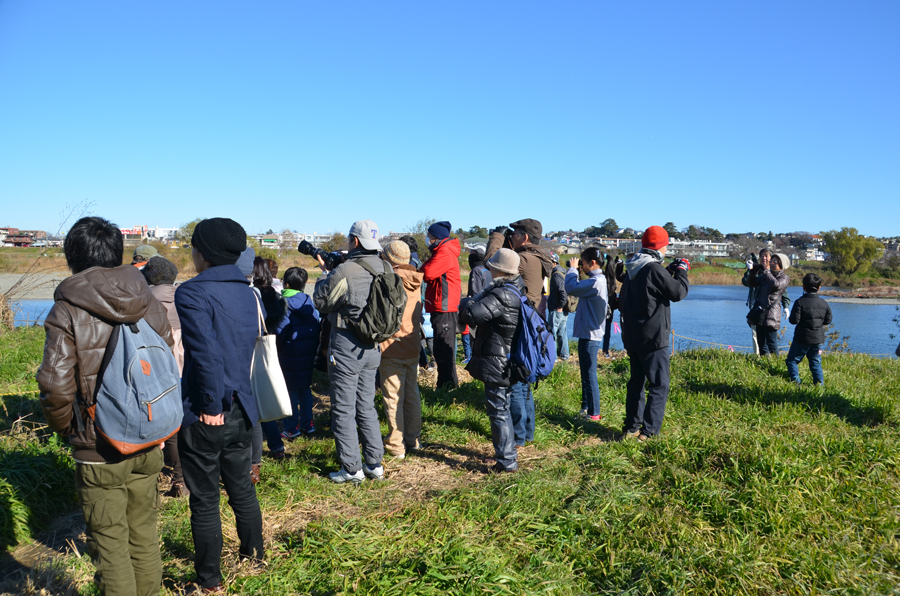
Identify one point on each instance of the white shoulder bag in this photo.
(266, 379)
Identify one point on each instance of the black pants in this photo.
(767, 338)
(444, 325)
(173, 460)
(647, 414)
(208, 452)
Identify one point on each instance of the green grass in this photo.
(754, 486)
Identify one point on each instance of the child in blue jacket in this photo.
(298, 341)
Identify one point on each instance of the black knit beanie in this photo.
(220, 240)
(160, 272)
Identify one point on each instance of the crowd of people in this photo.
(211, 323)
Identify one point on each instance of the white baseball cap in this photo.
(367, 232)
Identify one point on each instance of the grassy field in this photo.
(755, 486)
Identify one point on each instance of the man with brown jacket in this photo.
(535, 264)
(400, 358)
(118, 493)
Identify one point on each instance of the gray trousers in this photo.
(351, 369)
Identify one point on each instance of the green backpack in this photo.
(382, 315)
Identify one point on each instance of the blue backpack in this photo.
(137, 399)
(533, 348)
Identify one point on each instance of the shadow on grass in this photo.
(34, 566)
(831, 402)
(469, 460)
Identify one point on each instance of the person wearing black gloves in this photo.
(645, 305)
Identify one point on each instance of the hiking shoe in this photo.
(498, 469)
(634, 434)
(177, 490)
(582, 414)
(342, 476)
(291, 433)
(398, 456)
(254, 473)
(280, 454)
(644, 438)
(374, 472)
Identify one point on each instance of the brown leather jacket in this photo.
(405, 344)
(78, 328)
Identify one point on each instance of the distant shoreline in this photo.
(881, 301)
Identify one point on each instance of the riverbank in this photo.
(754, 485)
(873, 301)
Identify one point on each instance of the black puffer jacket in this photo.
(810, 314)
(496, 314)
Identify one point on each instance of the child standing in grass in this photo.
(810, 314)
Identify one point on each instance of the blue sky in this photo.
(310, 115)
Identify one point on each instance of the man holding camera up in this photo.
(352, 363)
(535, 265)
(645, 305)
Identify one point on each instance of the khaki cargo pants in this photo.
(402, 404)
(120, 503)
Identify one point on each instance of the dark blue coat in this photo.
(219, 325)
(298, 341)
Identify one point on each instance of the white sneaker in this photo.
(342, 476)
(376, 473)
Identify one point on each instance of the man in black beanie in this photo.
(218, 316)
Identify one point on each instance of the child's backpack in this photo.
(533, 347)
(137, 398)
(382, 315)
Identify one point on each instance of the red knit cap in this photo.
(655, 237)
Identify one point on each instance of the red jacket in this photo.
(442, 275)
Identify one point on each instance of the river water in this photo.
(713, 314)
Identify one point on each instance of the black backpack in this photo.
(382, 315)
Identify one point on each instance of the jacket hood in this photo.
(116, 295)
(514, 280)
(541, 253)
(412, 279)
(451, 244)
(638, 262)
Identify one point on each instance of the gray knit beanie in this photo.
(784, 259)
(504, 261)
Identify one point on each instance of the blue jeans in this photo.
(497, 399)
(467, 346)
(302, 402)
(795, 356)
(560, 333)
(587, 362)
(521, 409)
(768, 340)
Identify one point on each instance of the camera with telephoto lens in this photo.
(331, 259)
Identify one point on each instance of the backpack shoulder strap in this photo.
(369, 268)
(107, 357)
